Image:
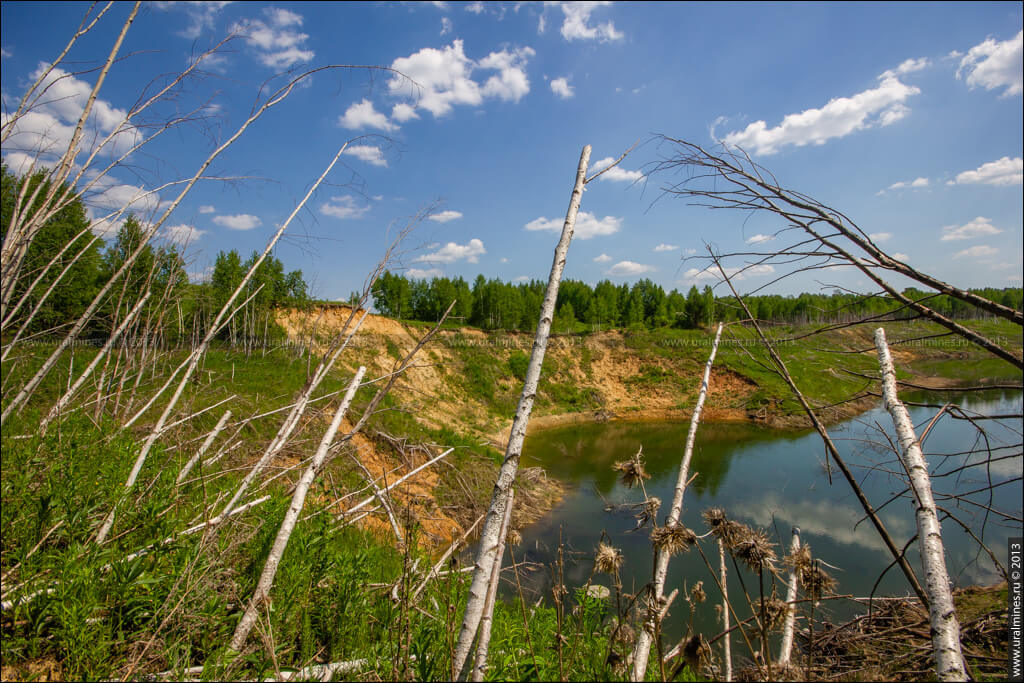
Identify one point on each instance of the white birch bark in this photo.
(205, 447)
(789, 626)
(487, 551)
(642, 649)
(291, 517)
(945, 628)
(484, 641)
(727, 645)
(63, 401)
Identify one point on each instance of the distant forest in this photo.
(493, 304)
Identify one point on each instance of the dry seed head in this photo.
(817, 582)
(514, 537)
(697, 594)
(632, 470)
(608, 559)
(754, 549)
(673, 539)
(800, 559)
(723, 528)
(774, 611)
(696, 649)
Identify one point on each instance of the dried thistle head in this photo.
(817, 582)
(694, 650)
(723, 528)
(632, 470)
(775, 611)
(608, 559)
(697, 593)
(514, 537)
(800, 559)
(754, 549)
(673, 539)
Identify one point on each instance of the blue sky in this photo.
(906, 117)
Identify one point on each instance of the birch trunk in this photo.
(291, 517)
(727, 645)
(945, 628)
(63, 401)
(789, 626)
(642, 649)
(487, 551)
(205, 447)
(484, 641)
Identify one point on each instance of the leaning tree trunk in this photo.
(642, 650)
(945, 628)
(489, 541)
(789, 626)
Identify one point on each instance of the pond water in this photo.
(776, 480)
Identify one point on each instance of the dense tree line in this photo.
(493, 304)
(66, 264)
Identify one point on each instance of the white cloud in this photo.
(841, 116)
(363, 115)
(690, 251)
(46, 130)
(560, 86)
(368, 153)
(666, 247)
(242, 221)
(1002, 172)
(576, 25)
(908, 66)
(521, 278)
(758, 238)
(344, 207)
(446, 26)
(900, 256)
(587, 225)
(424, 273)
(278, 45)
(445, 216)
(206, 208)
(503, 260)
(403, 112)
(201, 15)
(978, 227)
(5, 53)
(737, 274)
(442, 78)
(981, 251)
(627, 268)
(994, 65)
(603, 258)
(452, 252)
(475, 7)
(181, 234)
(617, 174)
(880, 237)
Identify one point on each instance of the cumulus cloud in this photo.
(981, 251)
(880, 237)
(666, 247)
(344, 207)
(207, 208)
(452, 252)
(446, 26)
(627, 268)
(978, 227)
(242, 221)
(1002, 172)
(442, 78)
(445, 216)
(900, 256)
(46, 130)
(368, 153)
(181, 234)
(879, 106)
(617, 174)
(424, 273)
(908, 66)
(277, 42)
(560, 86)
(758, 238)
(993, 64)
(201, 15)
(363, 115)
(475, 7)
(603, 258)
(587, 225)
(734, 273)
(403, 112)
(576, 24)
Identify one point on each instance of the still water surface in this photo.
(776, 480)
